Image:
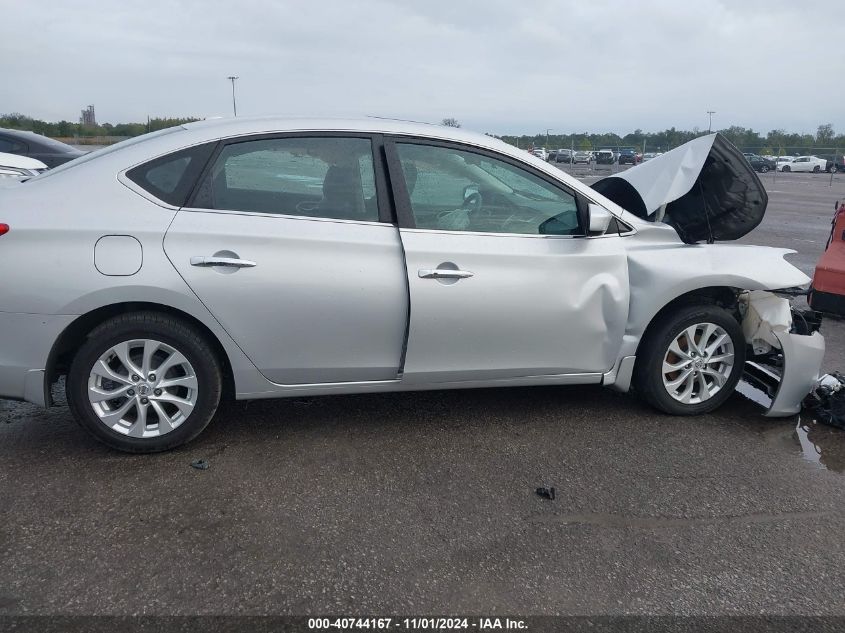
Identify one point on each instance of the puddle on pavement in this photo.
(818, 443)
(822, 444)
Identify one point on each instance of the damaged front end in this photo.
(785, 351)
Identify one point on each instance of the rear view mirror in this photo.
(599, 219)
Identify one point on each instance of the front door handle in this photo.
(229, 262)
(443, 273)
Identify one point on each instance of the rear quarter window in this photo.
(171, 178)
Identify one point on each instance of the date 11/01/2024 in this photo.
(417, 624)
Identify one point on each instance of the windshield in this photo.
(104, 151)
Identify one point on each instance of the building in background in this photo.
(88, 117)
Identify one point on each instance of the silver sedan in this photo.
(275, 258)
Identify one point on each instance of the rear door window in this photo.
(325, 177)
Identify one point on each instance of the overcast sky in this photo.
(503, 66)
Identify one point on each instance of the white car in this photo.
(540, 153)
(783, 161)
(805, 163)
(19, 167)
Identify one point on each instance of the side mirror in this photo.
(599, 219)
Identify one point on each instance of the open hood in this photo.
(705, 189)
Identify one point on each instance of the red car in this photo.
(827, 293)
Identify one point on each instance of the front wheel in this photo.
(691, 360)
(785, 168)
(764, 169)
(144, 382)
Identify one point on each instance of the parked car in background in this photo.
(19, 167)
(834, 164)
(49, 151)
(604, 157)
(649, 155)
(784, 161)
(628, 156)
(827, 292)
(763, 165)
(582, 157)
(806, 163)
(540, 152)
(563, 155)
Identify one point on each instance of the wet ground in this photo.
(425, 503)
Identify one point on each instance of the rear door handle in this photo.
(230, 262)
(443, 273)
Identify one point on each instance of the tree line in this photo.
(67, 129)
(776, 142)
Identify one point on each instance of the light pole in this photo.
(710, 113)
(234, 103)
(548, 129)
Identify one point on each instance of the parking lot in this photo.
(424, 503)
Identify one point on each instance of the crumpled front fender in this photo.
(660, 273)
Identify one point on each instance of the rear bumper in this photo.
(25, 344)
(827, 302)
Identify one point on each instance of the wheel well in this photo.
(74, 335)
(722, 296)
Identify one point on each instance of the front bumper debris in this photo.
(786, 355)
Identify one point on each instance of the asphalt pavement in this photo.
(424, 503)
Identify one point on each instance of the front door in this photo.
(503, 281)
(284, 246)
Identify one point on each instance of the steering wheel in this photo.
(473, 203)
(307, 206)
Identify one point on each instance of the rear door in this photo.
(503, 281)
(288, 243)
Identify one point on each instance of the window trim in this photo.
(402, 200)
(384, 203)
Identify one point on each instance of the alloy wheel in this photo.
(698, 363)
(142, 388)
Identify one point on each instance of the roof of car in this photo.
(231, 126)
(44, 142)
(22, 162)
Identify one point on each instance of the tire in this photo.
(764, 169)
(785, 169)
(177, 403)
(816, 169)
(650, 381)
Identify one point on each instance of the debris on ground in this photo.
(827, 400)
(200, 464)
(546, 493)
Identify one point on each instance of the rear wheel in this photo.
(764, 169)
(144, 383)
(816, 169)
(691, 360)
